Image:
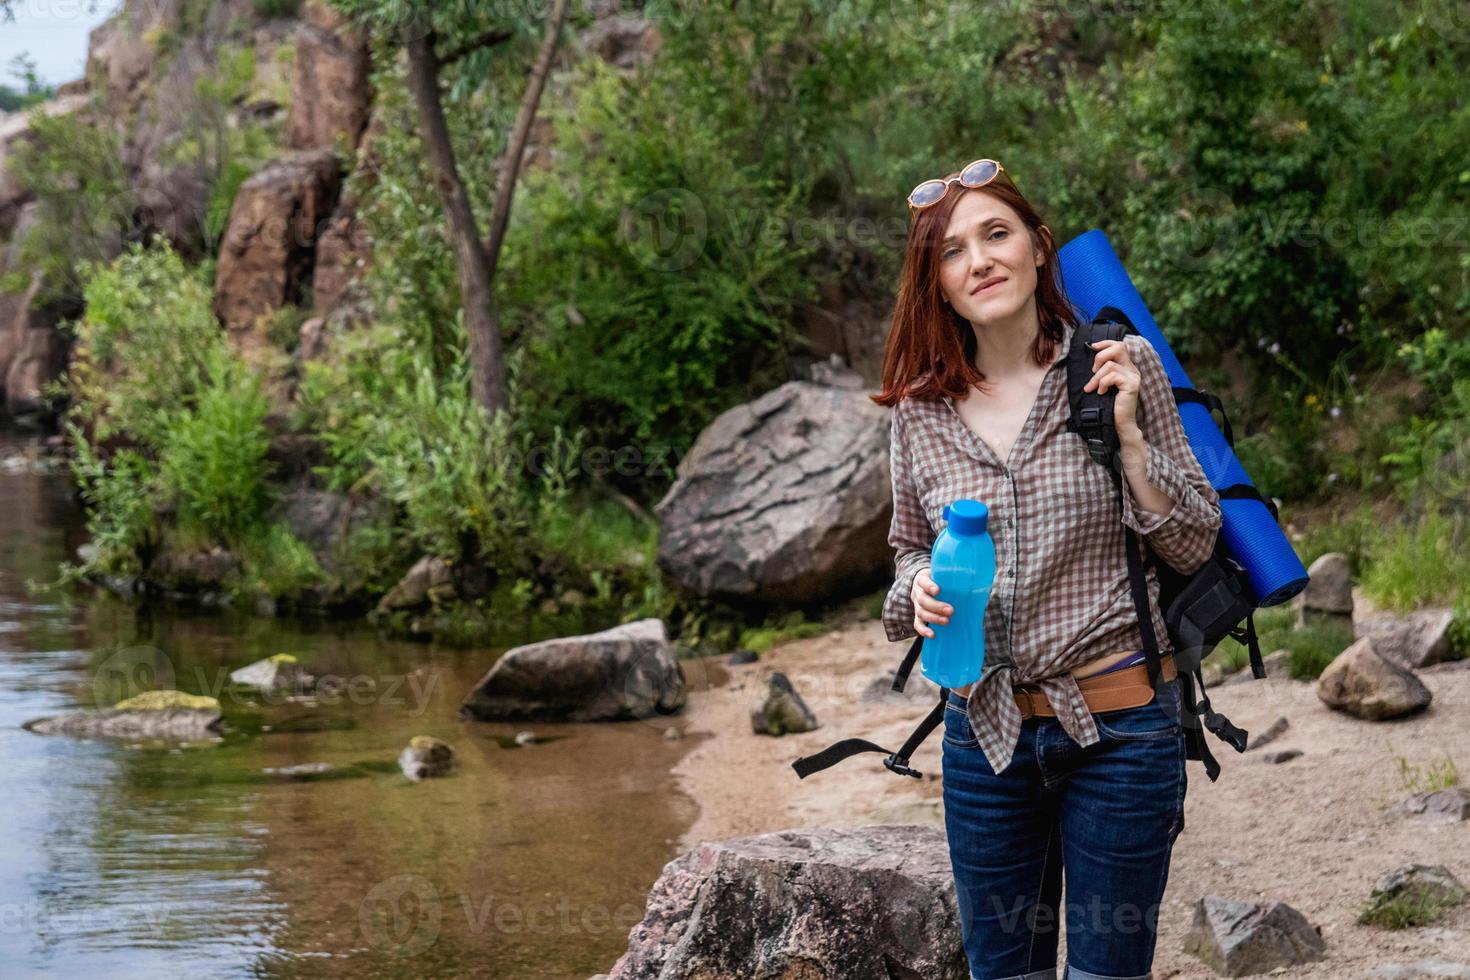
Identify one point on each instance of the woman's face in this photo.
(987, 267)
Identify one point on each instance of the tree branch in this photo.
(516, 148)
(497, 36)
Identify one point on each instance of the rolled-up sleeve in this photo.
(1185, 536)
(910, 534)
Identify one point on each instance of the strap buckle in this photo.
(901, 766)
(1030, 709)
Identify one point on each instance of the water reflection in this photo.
(137, 860)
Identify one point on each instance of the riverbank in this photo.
(1312, 832)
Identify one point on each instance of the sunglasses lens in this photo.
(979, 172)
(927, 193)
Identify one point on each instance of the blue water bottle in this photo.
(963, 566)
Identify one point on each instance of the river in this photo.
(137, 860)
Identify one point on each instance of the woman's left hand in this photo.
(1113, 368)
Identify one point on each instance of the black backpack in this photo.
(1200, 609)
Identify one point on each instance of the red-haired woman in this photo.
(1039, 786)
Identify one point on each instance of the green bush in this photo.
(1418, 561)
(213, 462)
(153, 373)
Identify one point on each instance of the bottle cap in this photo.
(967, 516)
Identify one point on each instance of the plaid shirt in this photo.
(1061, 596)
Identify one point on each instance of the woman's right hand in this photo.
(927, 609)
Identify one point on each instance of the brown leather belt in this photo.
(1126, 688)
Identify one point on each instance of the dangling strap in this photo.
(897, 761)
(1138, 584)
(1247, 634)
(901, 676)
(1194, 736)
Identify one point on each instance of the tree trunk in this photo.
(482, 326)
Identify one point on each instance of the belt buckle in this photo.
(1030, 710)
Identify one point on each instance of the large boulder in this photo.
(1240, 938)
(1329, 592)
(1361, 683)
(783, 499)
(629, 671)
(1413, 640)
(267, 254)
(330, 95)
(169, 715)
(873, 901)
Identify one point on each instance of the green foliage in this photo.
(213, 461)
(145, 348)
(1441, 773)
(153, 371)
(1419, 560)
(118, 493)
(275, 8)
(792, 626)
(655, 287)
(1312, 647)
(84, 203)
(274, 561)
(1414, 907)
(1349, 534)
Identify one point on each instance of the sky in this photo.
(54, 33)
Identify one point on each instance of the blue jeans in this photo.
(1105, 817)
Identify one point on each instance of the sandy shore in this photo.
(1310, 832)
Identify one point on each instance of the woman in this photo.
(1039, 787)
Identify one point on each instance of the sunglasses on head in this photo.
(931, 192)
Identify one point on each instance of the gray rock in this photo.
(742, 657)
(1363, 684)
(1411, 641)
(784, 499)
(169, 715)
(526, 738)
(1272, 732)
(429, 582)
(1278, 756)
(193, 571)
(274, 675)
(425, 757)
(629, 671)
(324, 520)
(872, 901)
(1239, 938)
(1450, 805)
(779, 710)
(1420, 882)
(1329, 587)
(1430, 968)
